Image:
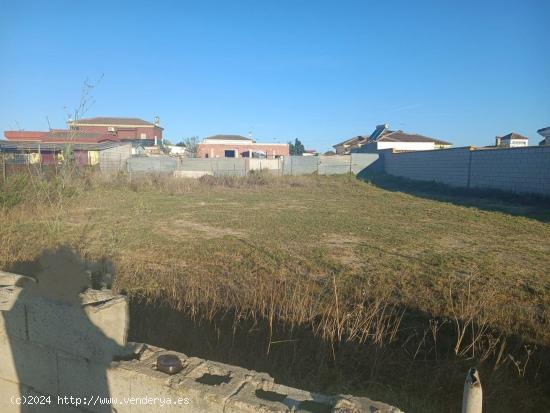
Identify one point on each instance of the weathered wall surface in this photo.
(113, 160)
(50, 352)
(519, 170)
(287, 165)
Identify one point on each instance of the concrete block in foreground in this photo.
(60, 349)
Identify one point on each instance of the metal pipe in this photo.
(472, 399)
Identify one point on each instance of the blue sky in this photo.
(462, 71)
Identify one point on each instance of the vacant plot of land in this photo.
(350, 260)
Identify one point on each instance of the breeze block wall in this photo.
(447, 166)
(518, 170)
(64, 353)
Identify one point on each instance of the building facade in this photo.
(122, 128)
(236, 146)
(512, 140)
(96, 130)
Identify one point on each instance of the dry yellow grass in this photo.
(349, 261)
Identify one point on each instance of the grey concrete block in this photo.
(12, 321)
(95, 331)
(94, 383)
(251, 399)
(29, 364)
(9, 402)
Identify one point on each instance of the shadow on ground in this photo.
(530, 206)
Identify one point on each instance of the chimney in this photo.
(157, 121)
(497, 140)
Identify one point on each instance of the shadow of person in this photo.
(58, 340)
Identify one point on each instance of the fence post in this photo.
(4, 167)
(472, 399)
(350, 162)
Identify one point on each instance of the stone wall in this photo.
(52, 351)
(519, 170)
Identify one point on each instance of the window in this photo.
(143, 136)
(229, 153)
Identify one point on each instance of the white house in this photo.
(512, 140)
(383, 138)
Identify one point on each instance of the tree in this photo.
(191, 145)
(296, 148)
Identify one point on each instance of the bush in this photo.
(14, 190)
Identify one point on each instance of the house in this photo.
(96, 130)
(384, 138)
(346, 146)
(235, 146)
(310, 152)
(512, 140)
(545, 133)
(123, 128)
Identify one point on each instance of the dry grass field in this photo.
(330, 283)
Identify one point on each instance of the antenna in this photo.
(48, 120)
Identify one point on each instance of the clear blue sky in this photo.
(462, 71)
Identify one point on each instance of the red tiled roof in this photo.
(60, 136)
(23, 135)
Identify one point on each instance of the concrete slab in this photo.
(247, 400)
(76, 330)
(10, 392)
(12, 313)
(350, 404)
(27, 363)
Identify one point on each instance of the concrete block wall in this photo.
(114, 160)
(50, 352)
(518, 170)
(449, 166)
